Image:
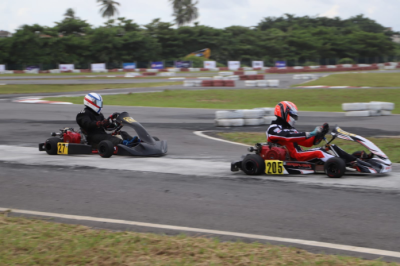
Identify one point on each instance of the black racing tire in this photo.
(335, 167)
(253, 164)
(156, 139)
(50, 145)
(106, 149)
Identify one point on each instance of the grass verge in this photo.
(358, 80)
(329, 100)
(18, 89)
(37, 242)
(390, 146)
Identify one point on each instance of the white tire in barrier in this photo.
(234, 77)
(76, 71)
(250, 72)
(375, 112)
(250, 83)
(131, 75)
(247, 68)
(213, 69)
(232, 114)
(268, 119)
(253, 121)
(268, 111)
(331, 66)
(314, 67)
(217, 77)
(205, 78)
(225, 73)
(354, 106)
(347, 65)
(194, 69)
(167, 74)
(54, 71)
(273, 83)
(357, 113)
(188, 83)
(375, 106)
(152, 70)
(229, 122)
(386, 106)
(174, 69)
(255, 113)
(385, 112)
(197, 83)
(298, 67)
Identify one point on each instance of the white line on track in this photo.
(201, 134)
(214, 232)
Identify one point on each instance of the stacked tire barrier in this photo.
(240, 118)
(208, 83)
(368, 109)
(252, 77)
(272, 83)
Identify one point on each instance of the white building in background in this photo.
(5, 34)
(396, 38)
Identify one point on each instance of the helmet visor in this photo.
(293, 113)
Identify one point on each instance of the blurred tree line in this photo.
(291, 38)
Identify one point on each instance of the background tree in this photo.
(70, 13)
(185, 11)
(108, 8)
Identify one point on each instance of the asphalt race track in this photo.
(193, 186)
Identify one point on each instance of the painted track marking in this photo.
(213, 232)
(201, 134)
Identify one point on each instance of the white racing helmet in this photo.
(94, 101)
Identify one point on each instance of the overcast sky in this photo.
(215, 13)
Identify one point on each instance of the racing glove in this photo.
(104, 123)
(114, 115)
(314, 133)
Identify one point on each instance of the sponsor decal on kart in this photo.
(274, 167)
(299, 166)
(129, 119)
(341, 131)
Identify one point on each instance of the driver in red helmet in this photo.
(282, 132)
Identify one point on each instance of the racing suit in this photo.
(87, 120)
(281, 133)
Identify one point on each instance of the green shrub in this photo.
(197, 62)
(346, 61)
(310, 63)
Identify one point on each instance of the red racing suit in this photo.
(291, 139)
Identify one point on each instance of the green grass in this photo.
(18, 89)
(36, 242)
(358, 80)
(328, 100)
(390, 146)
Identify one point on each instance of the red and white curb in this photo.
(38, 100)
(331, 87)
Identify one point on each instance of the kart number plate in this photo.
(274, 167)
(62, 148)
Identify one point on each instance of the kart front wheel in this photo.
(253, 164)
(335, 167)
(51, 145)
(106, 149)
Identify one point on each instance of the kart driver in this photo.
(94, 125)
(282, 132)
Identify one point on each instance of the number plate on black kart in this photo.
(274, 167)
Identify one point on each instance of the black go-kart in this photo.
(70, 142)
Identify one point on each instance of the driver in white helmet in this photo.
(94, 125)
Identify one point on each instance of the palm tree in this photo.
(70, 13)
(109, 8)
(185, 11)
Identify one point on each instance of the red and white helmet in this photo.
(287, 111)
(94, 101)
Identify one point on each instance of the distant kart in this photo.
(69, 142)
(272, 159)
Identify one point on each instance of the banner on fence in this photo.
(2, 68)
(183, 64)
(99, 66)
(210, 64)
(280, 64)
(157, 65)
(233, 65)
(129, 66)
(66, 67)
(258, 64)
(32, 67)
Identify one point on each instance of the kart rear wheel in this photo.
(335, 167)
(106, 149)
(51, 145)
(253, 164)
